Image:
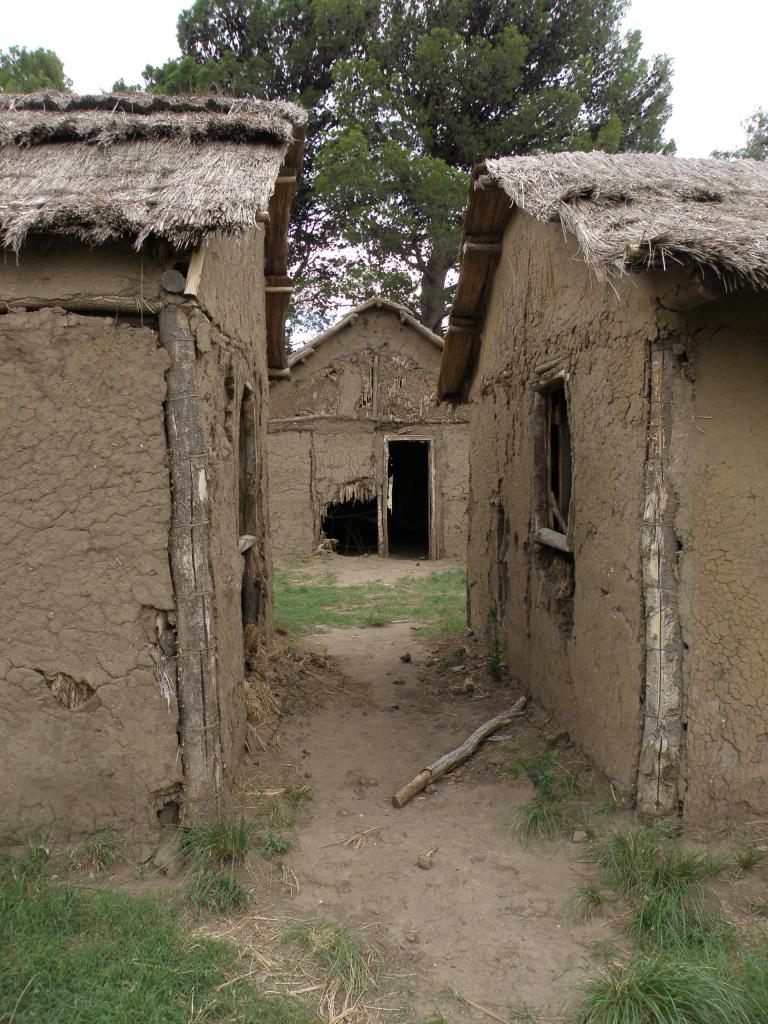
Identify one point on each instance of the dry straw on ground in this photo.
(320, 963)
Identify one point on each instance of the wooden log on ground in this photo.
(455, 757)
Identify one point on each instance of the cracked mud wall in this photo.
(720, 440)
(89, 718)
(89, 731)
(571, 629)
(328, 422)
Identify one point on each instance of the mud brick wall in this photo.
(720, 475)
(88, 726)
(571, 630)
(649, 644)
(328, 421)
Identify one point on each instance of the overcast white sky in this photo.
(718, 50)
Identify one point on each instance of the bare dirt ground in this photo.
(487, 920)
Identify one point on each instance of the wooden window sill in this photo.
(553, 539)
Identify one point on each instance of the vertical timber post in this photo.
(191, 573)
(661, 746)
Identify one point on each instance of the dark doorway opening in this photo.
(354, 526)
(252, 594)
(408, 499)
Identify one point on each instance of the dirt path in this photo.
(488, 919)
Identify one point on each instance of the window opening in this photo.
(408, 499)
(353, 525)
(558, 459)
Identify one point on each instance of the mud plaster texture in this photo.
(720, 437)
(84, 520)
(573, 629)
(87, 605)
(328, 425)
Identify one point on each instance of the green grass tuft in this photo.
(543, 818)
(99, 853)
(664, 989)
(273, 841)
(78, 956)
(218, 892)
(207, 847)
(297, 795)
(665, 886)
(749, 858)
(585, 901)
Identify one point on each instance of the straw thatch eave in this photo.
(136, 167)
(629, 212)
(403, 314)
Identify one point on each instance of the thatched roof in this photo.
(404, 315)
(133, 166)
(628, 212)
(640, 210)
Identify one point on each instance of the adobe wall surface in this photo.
(720, 420)
(59, 269)
(570, 629)
(88, 654)
(84, 520)
(328, 422)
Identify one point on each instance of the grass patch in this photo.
(297, 795)
(217, 892)
(543, 818)
(665, 886)
(586, 901)
(273, 841)
(348, 967)
(98, 854)
(693, 967)
(74, 956)
(304, 602)
(551, 812)
(209, 847)
(660, 989)
(749, 858)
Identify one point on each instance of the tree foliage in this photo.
(756, 145)
(405, 96)
(23, 70)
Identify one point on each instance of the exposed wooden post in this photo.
(191, 573)
(661, 745)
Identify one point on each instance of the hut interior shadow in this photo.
(408, 499)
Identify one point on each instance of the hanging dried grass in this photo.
(637, 211)
(104, 167)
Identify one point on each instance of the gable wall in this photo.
(328, 422)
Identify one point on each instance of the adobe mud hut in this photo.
(359, 450)
(609, 330)
(143, 290)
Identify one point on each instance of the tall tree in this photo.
(406, 95)
(756, 146)
(23, 70)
